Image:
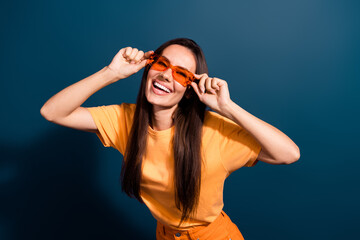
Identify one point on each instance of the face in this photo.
(162, 91)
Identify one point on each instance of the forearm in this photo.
(70, 98)
(274, 142)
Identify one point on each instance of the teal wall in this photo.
(294, 64)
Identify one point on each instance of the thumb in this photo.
(148, 54)
(196, 88)
(145, 59)
(142, 63)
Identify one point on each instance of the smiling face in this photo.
(162, 91)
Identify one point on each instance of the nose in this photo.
(167, 74)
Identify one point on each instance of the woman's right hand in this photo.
(128, 61)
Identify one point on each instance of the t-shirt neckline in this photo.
(161, 132)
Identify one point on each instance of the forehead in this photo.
(180, 56)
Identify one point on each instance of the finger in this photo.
(122, 51)
(222, 83)
(196, 88)
(202, 82)
(133, 54)
(208, 85)
(139, 56)
(127, 52)
(214, 84)
(198, 76)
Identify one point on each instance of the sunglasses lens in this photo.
(181, 76)
(161, 64)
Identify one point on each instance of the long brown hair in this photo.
(188, 121)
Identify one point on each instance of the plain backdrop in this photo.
(293, 64)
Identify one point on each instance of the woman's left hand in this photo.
(213, 92)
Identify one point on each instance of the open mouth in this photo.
(161, 87)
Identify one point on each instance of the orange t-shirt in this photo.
(225, 148)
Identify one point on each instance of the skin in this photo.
(276, 147)
(64, 107)
(165, 105)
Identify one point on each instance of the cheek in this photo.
(180, 89)
(150, 75)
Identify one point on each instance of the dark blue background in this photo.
(293, 64)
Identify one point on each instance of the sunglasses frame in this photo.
(190, 76)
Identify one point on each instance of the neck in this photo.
(162, 118)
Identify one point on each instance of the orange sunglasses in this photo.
(181, 75)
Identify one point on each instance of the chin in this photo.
(162, 103)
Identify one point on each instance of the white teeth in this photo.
(162, 87)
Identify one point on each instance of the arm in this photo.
(276, 147)
(64, 108)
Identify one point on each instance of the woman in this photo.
(177, 155)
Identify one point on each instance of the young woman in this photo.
(177, 154)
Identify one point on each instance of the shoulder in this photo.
(121, 108)
(213, 123)
(213, 118)
(116, 110)
(128, 107)
(126, 110)
(216, 122)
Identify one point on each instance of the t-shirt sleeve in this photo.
(113, 124)
(238, 147)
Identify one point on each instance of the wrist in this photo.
(112, 75)
(228, 109)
